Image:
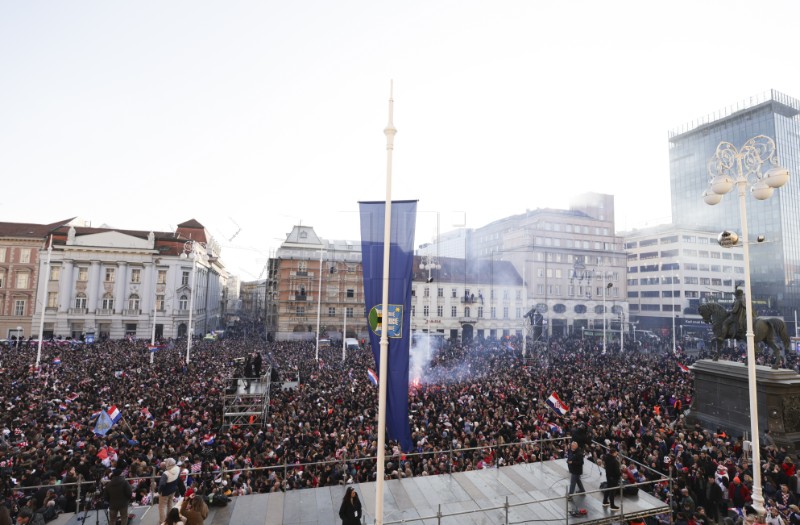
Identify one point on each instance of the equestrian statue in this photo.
(733, 325)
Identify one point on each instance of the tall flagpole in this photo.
(383, 378)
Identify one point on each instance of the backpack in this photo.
(628, 490)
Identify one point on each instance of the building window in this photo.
(426, 310)
(83, 274)
(453, 293)
(136, 275)
(331, 311)
(22, 280)
(440, 311)
(351, 293)
(108, 302)
(52, 299)
(185, 278)
(480, 312)
(505, 312)
(413, 311)
(19, 307)
(55, 273)
(349, 311)
(300, 311)
(494, 312)
(466, 311)
(453, 311)
(426, 292)
(133, 302)
(110, 275)
(2, 255)
(80, 301)
(183, 303)
(160, 303)
(25, 255)
(2, 277)
(162, 277)
(440, 292)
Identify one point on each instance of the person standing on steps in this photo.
(613, 476)
(575, 465)
(350, 510)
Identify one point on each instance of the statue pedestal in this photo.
(722, 400)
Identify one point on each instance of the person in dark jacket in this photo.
(613, 476)
(5, 514)
(713, 499)
(575, 466)
(350, 510)
(257, 362)
(118, 494)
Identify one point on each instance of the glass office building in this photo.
(775, 263)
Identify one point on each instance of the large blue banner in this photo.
(401, 268)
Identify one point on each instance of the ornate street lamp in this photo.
(730, 167)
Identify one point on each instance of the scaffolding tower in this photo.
(246, 401)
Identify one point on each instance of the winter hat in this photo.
(169, 462)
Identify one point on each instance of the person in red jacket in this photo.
(738, 493)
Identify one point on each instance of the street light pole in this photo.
(672, 314)
(672, 310)
(746, 165)
(155, 307)
(606, 286)
(319, 302)
(191, 247)
(44, 279)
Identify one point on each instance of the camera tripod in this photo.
(91, 503)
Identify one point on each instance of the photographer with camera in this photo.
(193, 508)
(118, 494)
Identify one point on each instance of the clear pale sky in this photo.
(256, 116)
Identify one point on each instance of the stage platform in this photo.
(535, 494)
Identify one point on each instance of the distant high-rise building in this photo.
(775, 263)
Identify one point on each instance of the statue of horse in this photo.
(765, 330)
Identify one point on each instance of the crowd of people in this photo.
(473, 406)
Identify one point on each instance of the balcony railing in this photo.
(300, 298)
(104, 311)
(131, 311)
(78, 311)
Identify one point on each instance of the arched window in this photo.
(80, 301)
(133, 302)
(108, 302)
(183, 303)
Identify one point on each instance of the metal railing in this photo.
(545, 447)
